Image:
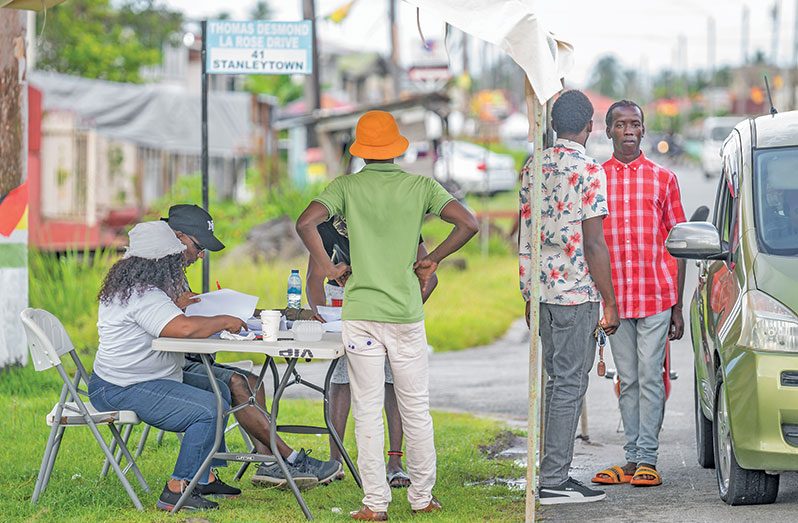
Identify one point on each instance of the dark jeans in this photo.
(188, 407)
(566, 333)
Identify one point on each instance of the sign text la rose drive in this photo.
(259, 47)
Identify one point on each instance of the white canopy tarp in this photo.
(514, 26)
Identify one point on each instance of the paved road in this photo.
(492, 380)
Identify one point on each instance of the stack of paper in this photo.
(225, 301)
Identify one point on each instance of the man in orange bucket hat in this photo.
(384, 208)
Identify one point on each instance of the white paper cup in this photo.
(270, 321)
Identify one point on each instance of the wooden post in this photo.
(13, 188)
(537, 126)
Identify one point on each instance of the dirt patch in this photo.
(504, 441)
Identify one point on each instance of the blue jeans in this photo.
(188, 407)
(221, 372)
(638, 350)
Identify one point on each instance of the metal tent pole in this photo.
(206, 262)
(533, 418)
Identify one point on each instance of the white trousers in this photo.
(367, 344)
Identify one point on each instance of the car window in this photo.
(718, 134)
(723, 213)
(776, 200)
(733, 168)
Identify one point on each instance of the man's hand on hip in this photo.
(339, 273)
(424, 269)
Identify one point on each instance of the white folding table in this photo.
(329, 348)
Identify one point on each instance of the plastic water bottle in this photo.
(294, 290)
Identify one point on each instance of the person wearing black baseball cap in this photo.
(193, 226)
(194, 222)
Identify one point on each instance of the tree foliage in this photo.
(261, 11)
(608, 77)
(280, 86)
(95, 39)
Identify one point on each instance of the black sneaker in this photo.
(195, 501)
(571, 491)
(324, 471)
(218, 488)
(271, 475)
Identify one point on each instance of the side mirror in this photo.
(694, 240)
(700, 215)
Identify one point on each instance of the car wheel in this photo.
(736, 485)
(703, 432)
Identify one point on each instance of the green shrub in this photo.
(233, 220)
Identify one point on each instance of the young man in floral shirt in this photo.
(574, 277)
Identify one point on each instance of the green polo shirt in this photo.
(384, 208)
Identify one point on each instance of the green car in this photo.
(744, 314)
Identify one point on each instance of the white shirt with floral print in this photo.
(574, 190)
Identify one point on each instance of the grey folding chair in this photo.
(48, 341)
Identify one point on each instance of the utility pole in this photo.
(794, 72)
(395, 70)
(466, 64)
(745, 34)
(711, 42)
(774, 44)
(312, 83)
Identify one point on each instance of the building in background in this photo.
(109, 150)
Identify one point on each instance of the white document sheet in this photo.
(329, 313)
(225, 301)
(333, 326)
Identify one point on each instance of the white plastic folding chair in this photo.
(48, 341)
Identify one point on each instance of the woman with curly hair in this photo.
(137, 305)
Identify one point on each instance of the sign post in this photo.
(249, 47)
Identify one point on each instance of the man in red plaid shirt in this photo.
(644, 204)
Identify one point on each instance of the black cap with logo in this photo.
(194, 221)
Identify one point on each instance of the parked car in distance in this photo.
(744, 313)
(716, 129)
(475, 169)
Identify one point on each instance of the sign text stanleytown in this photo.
(259, 47)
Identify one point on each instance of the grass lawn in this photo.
(76, 494)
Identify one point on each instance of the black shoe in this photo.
(195, 501)
(271, 475)
(218, 488)
(324, 471)
(571, 491)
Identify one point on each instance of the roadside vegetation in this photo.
(475, 302)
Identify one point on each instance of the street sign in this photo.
(259, 47)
